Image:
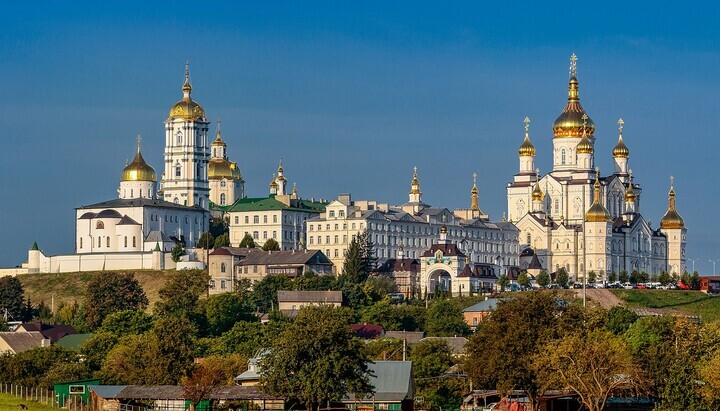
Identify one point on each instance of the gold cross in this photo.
(139, 139)
(527, 124)
(620, 125)
(474, 178)
(573, 65)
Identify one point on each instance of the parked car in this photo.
(641, 287)
(628, 286)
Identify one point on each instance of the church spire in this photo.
(597, 213)
(474, 195)
(415, 193)
(672, 219)
(186, 87)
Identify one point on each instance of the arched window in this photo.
(178, 137)
(177, 201)
(178, 170)
(222, 267)
(562, 156)
(100, 225)
(131, 193)
(125, 242)
(222, 199)
(134, 242)
(107, 242)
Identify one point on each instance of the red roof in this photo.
(368, 331)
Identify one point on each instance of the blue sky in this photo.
(352, 95)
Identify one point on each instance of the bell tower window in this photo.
(562, 156)
(178, 170)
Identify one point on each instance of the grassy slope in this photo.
(693, 302)
(68, 287)
(8, 402)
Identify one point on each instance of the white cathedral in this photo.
(139, 228)
(574, 218)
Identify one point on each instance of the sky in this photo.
(352, 96)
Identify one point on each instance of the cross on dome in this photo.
(620, 125)
(573, 65)
(139, 140)
(527, 124)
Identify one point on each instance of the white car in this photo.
(628, 286)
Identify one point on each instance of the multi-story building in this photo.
(411, 229)
(280, 216)
(577, 219)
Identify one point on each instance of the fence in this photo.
(43, 396)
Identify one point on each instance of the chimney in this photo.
(45, 342)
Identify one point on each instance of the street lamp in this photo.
(693, 266)
(713, 261)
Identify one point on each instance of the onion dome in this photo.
(474, 195)
(570, 123)
(621, 150)
(630, 195)
(585, 146)
(280, 170)
(443, 229)
(537, 194)
(138, 169)
(671, 219)
(273, 183)
(527, 149)
(219, 169)
(218, 141)
(187, 108)
(597, 213)
(415, 183)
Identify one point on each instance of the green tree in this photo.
(310, 281)
(370, 259)
(592, 277)
(594, 365)
(561, 278)
(11, 297)
(612, 277)
(431, 358)
(271, 245)
(643, 277)
(244, 338)
(664, 278)
(523, 279)
(620, 319)
(378, 287)
(247, 242)
(181, 293)
(385, 349)
(206, 241)
(29, 367)
(316, 359)
(354, 265)
(65, 371)
(127, 322)
(112, 292)
(431, 361)
(223, 240)
(445, 319)
(543, 279)
(178, 251)
(623, 277)
(503, 282)
(695, 281)
(224, 310)
(396, 317)
(95, 349)
(74, 314)
(265, 291)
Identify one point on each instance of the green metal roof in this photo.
(73, 342)
(270, 204)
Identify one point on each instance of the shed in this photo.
(394, 388)
(66, 389)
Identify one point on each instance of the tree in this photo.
(620, 319)
(271, 245)
(370, 259)
(310, 281)
(595, 366)
(543, 279)
(95, 349)
(623, 277)
(247, 242)
(592, 277)
(498, 355)
(431, 358)
(29, 367)
(378, 287)
(503, 282)
(65, 371)
(561, 278)
(223, 240)
(695, 281)
(391, 316)
(664, 278)
(316, 359)
(11, 297)
(206, 241)
(112, 292)
(354, 265)
(210, 374)
(523, 279)
(178, 251)
(74, 314)
(612, 277)
(181, 293)
(244, 338)
(127, 322)
(224, 310)
(265, 291)
(431, 361)
(445, 319)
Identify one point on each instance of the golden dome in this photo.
(570, 122)
(597, 213)
(585, 146)
(537, 194)
(218, 141)
(630, 193)
(187, 108)
(621, 150)
(273, 183)
(415, 183)
(219, 169)
(526, 149)
(138, 170)
(443, 229)
(671, 219)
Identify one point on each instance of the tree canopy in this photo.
(247, 242)
(11, 297)
(271, 245)
(112, 292)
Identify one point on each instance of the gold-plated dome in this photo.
(138, 170)
(597, 213)
(273, 183)
(585, 146)
(537, 193)
(415, 183)
(219, 169)
(621, 150)
(443, 229)
(671, 219)
(630, 195)
(570, 122)
(527, 149)
(218, 141)
(187, 108)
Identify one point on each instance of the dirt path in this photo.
(604, 298)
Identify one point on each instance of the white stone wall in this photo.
(39, 263)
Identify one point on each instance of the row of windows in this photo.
(132, 193)
(107, 242)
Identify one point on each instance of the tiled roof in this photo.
(367, 331)
(412, 337)
(258, 256)
(489, 304)
(398, 265)
(456, 344)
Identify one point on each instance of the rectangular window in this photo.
(336, 253)
(336, 239)
(255, 235)
(311, 239)
(274, 234)
(265, 219)
(256, 219)
(344, 239)
(342, 213)
(255, 269)
(275, 219)
(237, 220)
(222, 284)
(247, 219)
(327, 239)
(332, 214)
(319, 239)
(353, 226)
(336, 226)
(264, 235)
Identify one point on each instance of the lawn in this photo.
(692, 302)
(9, 402)
(69, 287)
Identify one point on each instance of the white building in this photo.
(407, 231)
(581, 221)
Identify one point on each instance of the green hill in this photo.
(691, 302)
(69, 287)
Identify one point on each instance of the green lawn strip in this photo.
(692, 302)
(9, 402)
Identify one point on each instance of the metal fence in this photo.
(37, 394)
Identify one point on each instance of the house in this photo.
(710, 284)
(290, 302)
(15, 342)
(405, 272)
(476, 313)
(251, 376)
(394, 388)
(456, 344)
(229, 264)
(54, 332)
(64, 390)
(368, 331)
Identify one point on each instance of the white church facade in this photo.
(575, 218)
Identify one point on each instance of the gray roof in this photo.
(392, 381)
(412, 337)
(127, 221)
(257, 256)
(22, 340)
(456, 344)
(310, 296)
(489, 304)
(174, 392)
(140, 202)
(157, 236)
(106, 391)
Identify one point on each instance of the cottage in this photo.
(290, 302)
(15, 342)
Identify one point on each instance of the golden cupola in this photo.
(474, 195)
(219, 169)
(671, 219)
(585, 146)
(138, 169)
(620, 150)
(597, 213)
(630, 195)
(187, 108)
(527, 149)
(415, 183)
(570, 123)
(537, 193)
